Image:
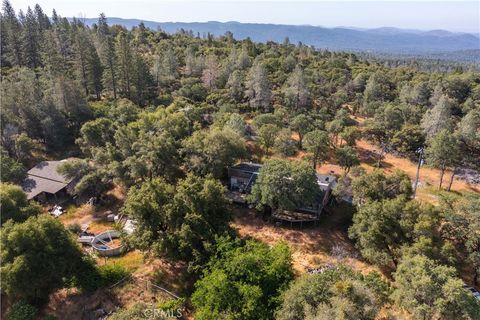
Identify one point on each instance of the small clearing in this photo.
(312, 247)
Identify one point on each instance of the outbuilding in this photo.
(44, 183)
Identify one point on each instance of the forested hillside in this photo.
(159, 118)
(386, 40)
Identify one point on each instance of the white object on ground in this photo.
(86, 239)
(57, 211)
(129, 226)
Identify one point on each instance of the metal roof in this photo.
(45, 178)
(249, 167)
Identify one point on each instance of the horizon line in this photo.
(476, 33)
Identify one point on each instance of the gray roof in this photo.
(249, 167)
(326, 182)
(45, 178)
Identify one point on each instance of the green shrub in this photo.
(111, 274)
(74, 228)
(172, 304)
(21, 311)
(97, 277)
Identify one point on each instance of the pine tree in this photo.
(193, 65)
(80, 46)
(235, 86)
(124, 65)
(3, 48)
(54, 62)
(12, 33)
(438, 118)
(31, 40)
(165, 69)
(211, 73)
(107, 55)
(258, 88)
(42, 19)
(62, 32)
(94, 71)
(296, 92)
(243, 61)
(87, 61)
(142, 81)
(443, 152)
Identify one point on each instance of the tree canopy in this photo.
(245, 281)
(276, 181)
(14, 205)
(337, 293)
(38, 256)
(438, 292)
(179, 221)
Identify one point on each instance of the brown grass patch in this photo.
(369, 155)
(311, 246)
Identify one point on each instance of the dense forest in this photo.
(162, 116)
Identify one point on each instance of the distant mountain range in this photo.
(388, 40)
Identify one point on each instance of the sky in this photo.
(459, 16)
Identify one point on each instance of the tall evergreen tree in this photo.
(107, 55)
(438, 118)
(80, 45)
(235, 85)
(258, 88)
(124, 65)
(87, 62)
(296, 92)
(94, 71)
(193, 65)
(42, 19)
(13, 32)
(165, 68)
(443, 152)
(211, 73)
(142, 81)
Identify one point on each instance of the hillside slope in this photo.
(342, 38)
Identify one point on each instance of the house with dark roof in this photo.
(244, 175)
(44, 183)
(241, 179)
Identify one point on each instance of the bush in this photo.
(95, 277)
(22, 311)
(137, 311)
(284, 144)
(243, 282)
(334, 293)
(172, 304)
(111, 274)
(74, 228)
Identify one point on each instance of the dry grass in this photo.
(369, 153)
(99, 226)
(311, 246)
(72, 304)
(80, 215)
(428, 176)
(131, 261)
